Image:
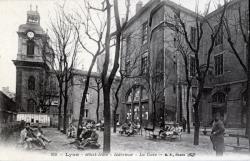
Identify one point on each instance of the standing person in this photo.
(184, 123)
(217, 136)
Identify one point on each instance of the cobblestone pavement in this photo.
(140, 143)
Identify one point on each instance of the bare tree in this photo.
(64, 47)
(236, 24)
(196, 48)
(107, 78)
(47, 92)
(97, 87)
(88, 30)
(179, 44)
(125, 73)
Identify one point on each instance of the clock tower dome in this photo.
(30, 65)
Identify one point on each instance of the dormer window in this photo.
(30, 48)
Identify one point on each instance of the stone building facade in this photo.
(226, 95)
(151, 89)
(148, 52)
(94, 95)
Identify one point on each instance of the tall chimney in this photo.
(138, 6)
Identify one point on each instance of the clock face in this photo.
(30, 34)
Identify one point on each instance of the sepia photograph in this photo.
(124, 80)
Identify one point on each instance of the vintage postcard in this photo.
(124, 80)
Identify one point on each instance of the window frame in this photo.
(219, 38)
(30, 48)
(192, 70)
(86, 113)
(193, 31)
(219, 68)
(31, 103)
(145, 33)
(31, 83)
(219, 97)
(144, 62)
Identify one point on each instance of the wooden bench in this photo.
(237, 146)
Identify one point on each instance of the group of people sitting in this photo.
(33, 137)
(129, 128)
(170, 130)
(88, 136)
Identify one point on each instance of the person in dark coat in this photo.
(184, 123)
(217, 136)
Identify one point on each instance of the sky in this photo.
(13, 14)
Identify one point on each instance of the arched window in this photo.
(31, 83)
(30, 48)
(218, 97)
(31, 106)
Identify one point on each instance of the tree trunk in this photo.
(187, 108)
(60, 108)
(196, 112)
(107, 119)
(196, 124)
(82, 107)
(65, 105)
(180, 103)
(132, 106)
(98, 104)
(248, 92)
(84, 95)
(114, 121)
(154, 114)
(140, 106)
(65, 115)
(117, 100)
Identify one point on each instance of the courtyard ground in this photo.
(137, 145)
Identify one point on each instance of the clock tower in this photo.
(30, 64)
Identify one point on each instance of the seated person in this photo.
(124, 127)
(170, 130)
(71, 130)
(130, 130)
(89, 124)
(86, 133)
(92, 139)
(27, 136)
(98, 124)
(40, 135)
(174, 130)
(138, 126)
